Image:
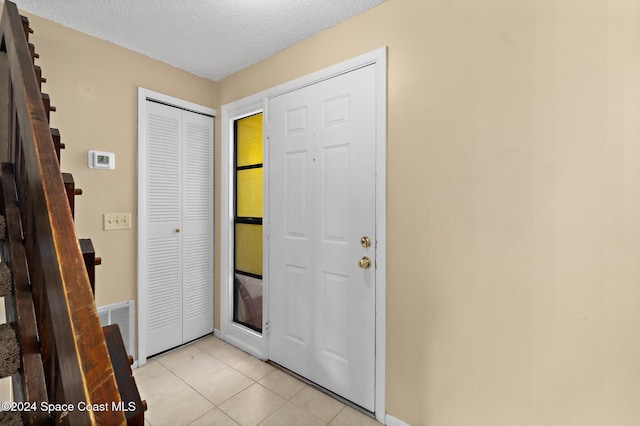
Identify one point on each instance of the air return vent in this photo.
(121, 314)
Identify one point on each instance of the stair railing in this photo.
(75, 362)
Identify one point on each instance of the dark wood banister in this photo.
(74, 342)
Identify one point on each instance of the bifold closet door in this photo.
(179, 212)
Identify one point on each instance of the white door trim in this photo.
(256, 103)
(143, 96)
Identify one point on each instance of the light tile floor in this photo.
(209, 382)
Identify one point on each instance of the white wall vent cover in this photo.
(121, 314)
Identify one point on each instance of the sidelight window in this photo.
(247, 287)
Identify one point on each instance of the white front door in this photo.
(322, 143)
(177, 222)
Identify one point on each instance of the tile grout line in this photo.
(217, 406)
(233, 366)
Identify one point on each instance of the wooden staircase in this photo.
(69, 370)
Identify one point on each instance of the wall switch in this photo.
(117, 221)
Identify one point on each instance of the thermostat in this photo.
(102, 160)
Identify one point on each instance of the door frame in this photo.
(145, 95)
(242, 337)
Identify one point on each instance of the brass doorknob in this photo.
(364, 263)
(178, 230)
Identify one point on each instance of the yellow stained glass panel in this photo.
(249, 193)
(249, 248)
(249, 140)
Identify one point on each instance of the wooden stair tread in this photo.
(129, 394)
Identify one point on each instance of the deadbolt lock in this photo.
(365, 241)
(364, 263)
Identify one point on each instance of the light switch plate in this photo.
(117, 221)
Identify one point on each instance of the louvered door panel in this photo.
(198, 168)
(164, 268)
(198, 226)
(163, 192)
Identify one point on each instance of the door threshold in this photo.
(180, 346)
(323, 390)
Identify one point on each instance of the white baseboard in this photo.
(392, 421)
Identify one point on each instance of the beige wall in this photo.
(513, 204)
(93, 85)
(513, 194)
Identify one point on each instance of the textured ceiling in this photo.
(209, 38)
